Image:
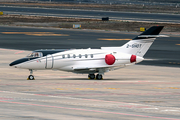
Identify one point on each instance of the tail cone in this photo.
(136, 59)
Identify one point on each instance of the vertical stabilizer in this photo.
(140, 44)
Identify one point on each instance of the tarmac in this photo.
(138, 92)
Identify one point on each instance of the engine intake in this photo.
(133, 58)
(110, 59)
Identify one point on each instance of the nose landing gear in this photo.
(31, 77)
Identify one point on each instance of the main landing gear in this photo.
(31, 77)
(97, 77)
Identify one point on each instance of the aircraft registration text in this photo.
(134, 46)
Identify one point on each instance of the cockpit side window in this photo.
(35, 54)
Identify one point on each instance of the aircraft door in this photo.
(49, 62)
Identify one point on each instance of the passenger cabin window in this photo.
(68, 56)
(91, 55)
(86, 55)
(80, 56)
(35, 54)
(74, 56)
(63, 56)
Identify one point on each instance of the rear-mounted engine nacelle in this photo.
(110, 59)
(133, 58)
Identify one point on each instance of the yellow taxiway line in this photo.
(36, 33)
(112, 39)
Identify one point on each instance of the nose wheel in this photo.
(31, 77)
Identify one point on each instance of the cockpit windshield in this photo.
(35, 54)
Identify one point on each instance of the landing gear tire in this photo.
(99, 77)
(31, 77)
(91, 76)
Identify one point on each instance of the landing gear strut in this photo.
(98, 76)
(31, 77)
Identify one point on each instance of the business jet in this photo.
(91, 61)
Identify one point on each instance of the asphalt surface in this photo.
(163, 52)
(137, 92)
(149, 17)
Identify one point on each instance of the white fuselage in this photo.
(79, 61)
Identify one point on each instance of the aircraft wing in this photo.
(88, 68)
(110, 68)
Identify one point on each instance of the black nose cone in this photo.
(18, 61)
(13, 63)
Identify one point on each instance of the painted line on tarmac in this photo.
(166, 88)
(134, 81)
(51, 34)
(19, 52)
(112, 39)
(175, 63)
(87, 110)
(85, 88)
(36, 33)
(25, 32)
(4, 98)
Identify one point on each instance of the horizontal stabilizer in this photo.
(155, 30)
(152, 36)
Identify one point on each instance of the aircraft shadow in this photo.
(106, 79)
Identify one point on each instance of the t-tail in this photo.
(141, 43)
